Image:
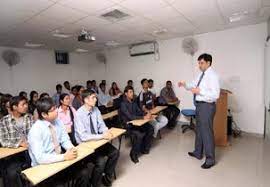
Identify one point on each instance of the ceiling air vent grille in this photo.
(115, 15)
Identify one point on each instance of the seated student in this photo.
(130, 83)
(46, 138)
(89, 85)
(56, 96)
(1, 96)
(66, 114)
(77, 101)
(67, 87)
(44, 95)
(89, 125)
(23, 94)
(141, 136)
(102, 82)
(5, 108)
(115, 91)
(73, 93)
(103, 98)
(146, 100)
(14, 129)
(32, 102)
(94, 86)
(151, 88)
(172, 111)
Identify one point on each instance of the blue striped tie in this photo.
(198, 84)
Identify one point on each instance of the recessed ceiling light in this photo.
(59, 34)
(33, 45)
(112, 43)
(238, 16)
(160, 31)
(79, 50)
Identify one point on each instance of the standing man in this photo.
(206, 91)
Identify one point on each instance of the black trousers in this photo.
(79, 173)
(105, 160)
(172, 113)
(204, 141)
(141, 138)
(12, 169)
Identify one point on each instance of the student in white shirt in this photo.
(46, 138)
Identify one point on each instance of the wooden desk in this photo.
(140, 122)
(158, 109)
(110, 114)
(6, 152)
(42, 172)
(98, 143)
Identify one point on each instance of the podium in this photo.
(220, 120)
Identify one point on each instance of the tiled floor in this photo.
(245, 163)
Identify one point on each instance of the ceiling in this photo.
(34, 21)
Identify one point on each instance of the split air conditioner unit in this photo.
(145, 48)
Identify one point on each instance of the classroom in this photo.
(128, 93)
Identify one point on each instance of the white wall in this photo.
(37, 70)
(238, 57)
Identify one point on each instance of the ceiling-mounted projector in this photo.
(86, 37)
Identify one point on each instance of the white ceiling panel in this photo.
(143, 6)
(229, 7)
(62, 14)
(34, 20)
(88, 6)
(161, 14)
(21, 11)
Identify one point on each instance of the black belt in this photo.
(197, 102)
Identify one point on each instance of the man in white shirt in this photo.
(103, 98)
(205, 90)
(67, 87)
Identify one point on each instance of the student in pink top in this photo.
(66, 114)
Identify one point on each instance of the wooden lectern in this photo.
(220, 120)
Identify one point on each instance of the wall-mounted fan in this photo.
(11, 57)
(101, 57)
(190, 46)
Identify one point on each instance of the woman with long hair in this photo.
(32, 101)
(66, 114)
(114, 90)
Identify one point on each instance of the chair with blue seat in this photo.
(190, 113)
